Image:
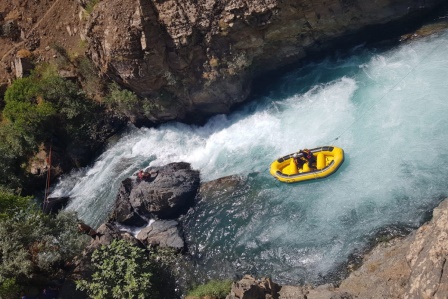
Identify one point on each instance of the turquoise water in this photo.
(386, 108)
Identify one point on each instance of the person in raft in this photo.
(299, 160)
(309, 157)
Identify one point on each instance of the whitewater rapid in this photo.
(387, 108)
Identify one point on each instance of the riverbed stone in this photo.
(168, 192)
(124, 212)
(162, 233)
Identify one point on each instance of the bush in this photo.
(216, 288)
(40, 109)
(33, 242)
(9, 288)
(91, 5)
(13, 152)
(121, 270)
(28, 112)
(124, 102)
(10, 202)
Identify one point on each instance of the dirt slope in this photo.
(41, 24)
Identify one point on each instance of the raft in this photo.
(328, 159)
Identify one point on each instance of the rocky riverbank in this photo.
(412, 267)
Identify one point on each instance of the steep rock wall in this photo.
(193, 59)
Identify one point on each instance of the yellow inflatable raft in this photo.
(328, 159)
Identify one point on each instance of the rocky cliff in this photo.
(192, 59)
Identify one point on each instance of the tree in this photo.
(121, 270)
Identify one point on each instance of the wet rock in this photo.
(53, 205)
(124, 213)
(163, 234)
(108, 232)
(169, 193)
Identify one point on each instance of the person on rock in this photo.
(144, 175)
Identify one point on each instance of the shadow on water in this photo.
(378, 38)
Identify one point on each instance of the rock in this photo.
(108, 232)
(250, 288)
(189, 60)
(169, 194)
(292, 292)
(163, 234)
(22, 66)
(11, 30)
(32, 43)
(54, 204)
(124, 213)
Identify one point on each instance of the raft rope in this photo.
(387, 92)
(47, 184)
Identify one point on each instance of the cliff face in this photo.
(414, 267)
(193, 59)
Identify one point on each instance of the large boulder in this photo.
(167, 194)
(193, 59)
(250, 288)
(124, 212)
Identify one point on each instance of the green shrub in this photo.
(9, 288)
(217, 288)
(123, 102)
(32, 242)
(121, 270)
(10, 202)
(91, 5)
(13, 155)
(39, 109)
(28, 112)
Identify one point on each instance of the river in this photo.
(386, 107)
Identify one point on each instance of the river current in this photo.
(388, 110)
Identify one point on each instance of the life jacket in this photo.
(308, 154)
